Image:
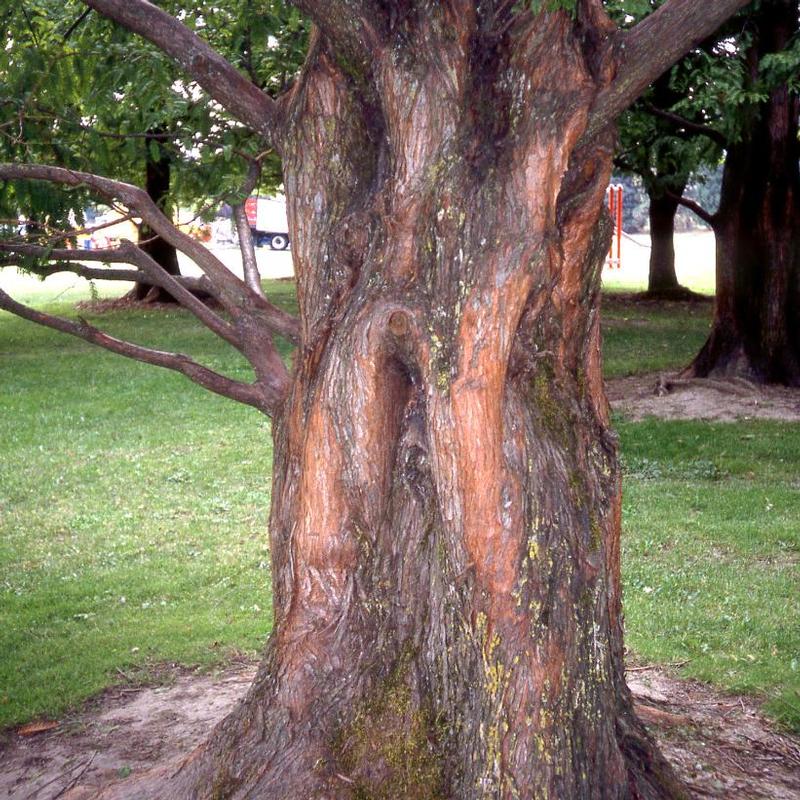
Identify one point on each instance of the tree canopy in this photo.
(80, 92)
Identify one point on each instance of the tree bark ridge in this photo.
(445, 522)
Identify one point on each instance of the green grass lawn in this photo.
(133, 513)
(645, 337)
(711, 553)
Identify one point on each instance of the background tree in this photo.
(446, 504)
(755, 333)
(741, 92)
(667, 163)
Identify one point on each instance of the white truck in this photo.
(267, 219)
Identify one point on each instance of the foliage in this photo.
(664, 157)
(712, 88)
(78, 91)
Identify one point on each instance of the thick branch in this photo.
(232, 292)
(258, 396)
(351, 25)
(707, 217)
(688, 125)
(652, 47)
(217, 76)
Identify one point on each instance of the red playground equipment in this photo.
(614, 193)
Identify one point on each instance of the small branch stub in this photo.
(399, 325)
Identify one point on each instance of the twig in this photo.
(266, 398)
(649, 667)
(76, 778)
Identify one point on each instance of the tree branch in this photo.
(687, 124)
(651, 48)
(62, 261)
(230, 290)
(256, 395)
(252, 277)
(66, 260)
(180, 287)
(707, 217)
(218, 77)
(350, 25)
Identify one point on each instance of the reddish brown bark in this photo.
(445, 524)
(755, 333)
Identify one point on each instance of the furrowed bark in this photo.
(446, 506)
(445, 523)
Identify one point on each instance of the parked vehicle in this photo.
(268, 224)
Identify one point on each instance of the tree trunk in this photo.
(157, 186)
(663, 280)
(755, 334)
(445, 527)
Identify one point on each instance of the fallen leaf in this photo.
(655, 716)
(32, 728)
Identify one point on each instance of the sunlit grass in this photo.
(133, 511)
(711, 553)
(133, 516)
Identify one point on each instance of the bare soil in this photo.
(668, 396)
(721, 745)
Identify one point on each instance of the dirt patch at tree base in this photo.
(669, 396)
(721, 745)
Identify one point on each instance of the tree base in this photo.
(395, 758)
(673, 294)
(726, 358)
(155, 295)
